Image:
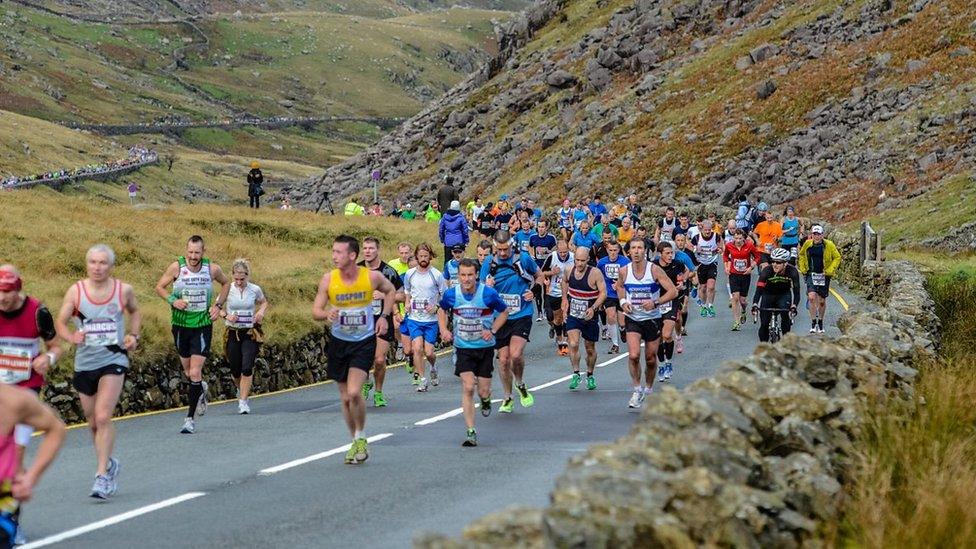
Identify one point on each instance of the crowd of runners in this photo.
(585, 272)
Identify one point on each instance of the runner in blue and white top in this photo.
(565, 217)
(609, 266)
(451, 267)
(478, 313)
(541, 245)
(423, 286)
(512, 274)
(644, 287)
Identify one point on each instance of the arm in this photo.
(135, 318)
(760, 287)
(795, 285)
(219, 277)
(829, 270)
(564, 284)
(670, 291)
(262, 309)
(465, 237)
(441, 231)
(446, 334)
(162, 287)
(41, 417)
(382, 284)
(320, 307)
(64, 315)
(601, 286)
(802, 263)
(621, 291)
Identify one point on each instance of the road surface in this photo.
(277, 478)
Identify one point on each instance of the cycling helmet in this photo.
(780, 254)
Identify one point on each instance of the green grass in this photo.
(948, 203)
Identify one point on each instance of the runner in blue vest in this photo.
(478, 313)
(512, 273)
(609, 266)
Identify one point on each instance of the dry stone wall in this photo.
(755, 456)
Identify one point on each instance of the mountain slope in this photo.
(700, 101)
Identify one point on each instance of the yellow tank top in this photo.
(354, 302)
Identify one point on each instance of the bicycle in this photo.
(775, 322)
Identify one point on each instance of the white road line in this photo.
(435, 419)
(81, 530)
(316, 457)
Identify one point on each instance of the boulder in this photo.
(561, 79)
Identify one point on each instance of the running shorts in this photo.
(480, 362)
(342, 355)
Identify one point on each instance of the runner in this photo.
(486, 221)
(778, 288)
(524, 234)
(553, 269)
(504, 216)
(819, 260)
(677, 272)
(512, 274)
(541, 245)
(641, 283)
(484, 251)
(682, 254)
(479, 313)
(372, 261)
(344, 300)
(584, 292)
(583, 237)
(609, 267)
(423, 287)
(451, 266)
(21, 410)
(193, 312)
(626, 233)
(683, 226)
(792, 233)
(98, 304)
(767, 235)
(708, 250)
(565, 218)
(740, 258)
(401, 264)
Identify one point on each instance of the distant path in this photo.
(76, 177)
(267, 123)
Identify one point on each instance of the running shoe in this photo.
(605, 333)
(575, 382)
(434, 380)
(379, 400)
(684, 331)
(711, 311)
(416, 379)
(730, 304)
(644, 392)
(507, 406)
(362, 451)
(19, 537)
(660, 373)
(102, 489)
(539, 319)
(552, 332)
(409, 366)
(112, 472)
(470, 439)
(820, 328)
(423, 385)
(679, 344)
(243, 408)
(668, 370)
(614, 349)
(351, 454)
(188, 427)
(485, 407)
(525, 397)
(367, 387)
(635, 400)
(202, 403)
(590, 383)
(703, 311)
(813, 327)
(742, 317)
(564, 350)
(736, 326)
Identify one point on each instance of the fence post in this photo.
(862, 248)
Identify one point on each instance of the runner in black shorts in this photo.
(371, 259)
(677, 272)
(584, 291)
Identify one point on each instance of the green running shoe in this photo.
(367, 387)
(575, 383)
(409, 367)
(471, 439)
(590, 383)
(351, 454)
(735, 326)
(379, 400)
(485, 407)
(416, 379)
(362, 452)
(525, 397)
(507, 406)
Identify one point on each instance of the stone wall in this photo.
(755, 456)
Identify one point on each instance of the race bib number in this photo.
(245, 317)
(504, 226)
(541, 253)
(196, 300)
(739, 264)
(666, 236)
(419, 305)
(524, 245)
(664, 308)
(513, 302)
(485, 225)
(793, 253)
(377, 307)
(469, 329)
(612, 270)
(577, 308)
(15, 365)
(100, 332)
(768, 248)
(352, 321)
(818, 279)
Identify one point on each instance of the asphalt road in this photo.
(276, 477)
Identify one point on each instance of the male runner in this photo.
(193, 312)
(512, 274)
(553, 270)
(541, 245)
(767, 235)
(819, 260)
(609, 267)
(708, 250)
(677, 272)
(682, 254)
(479, 313)
(401, 264)
(665, 226)
(371, 260)
(484, 251)
(451, 266)
(641, 284)
(778, 283)
(584, 291)
(98, 304)
(344, 300)
(740, 258)
(423, 287)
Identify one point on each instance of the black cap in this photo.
(457, 248)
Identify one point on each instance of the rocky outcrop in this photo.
(959, 240)
(756, 456)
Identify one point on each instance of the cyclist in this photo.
(740, 259)
(819, 260)
(777, 292)
(583, 293)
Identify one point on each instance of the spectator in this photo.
(453, 230)
(255, 185)
(397, 210)
(408, 212)
(285, 203)
(375, 209)
(353, 208)
(133, 189)
(447, 194)
(433, 213)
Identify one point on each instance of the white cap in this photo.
(455, 205)
(408, 206)
(816, 229)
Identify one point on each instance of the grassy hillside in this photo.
(47, 234)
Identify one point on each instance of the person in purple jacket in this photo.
(453, 230)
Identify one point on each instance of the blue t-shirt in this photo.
(598, 209)
(451, 270)
(579, 215)
(791, 232)
(510, 284)
(611, 271)
(522, 239)
(685, 259)
(541, 246)
(472, 314)
(587, 240)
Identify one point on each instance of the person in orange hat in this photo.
(255, 185)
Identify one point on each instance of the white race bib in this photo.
(768, 248)
(245, 317)
(612, 270)
(470, 329)
(100, 332)
(377, 307)
(352, 321)
(818, 279)
(419, 305)
(196, 299)
(664, 308)
(577, 308)
(15, 365)
(793, 253)
(739, 264)
(513, 302)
